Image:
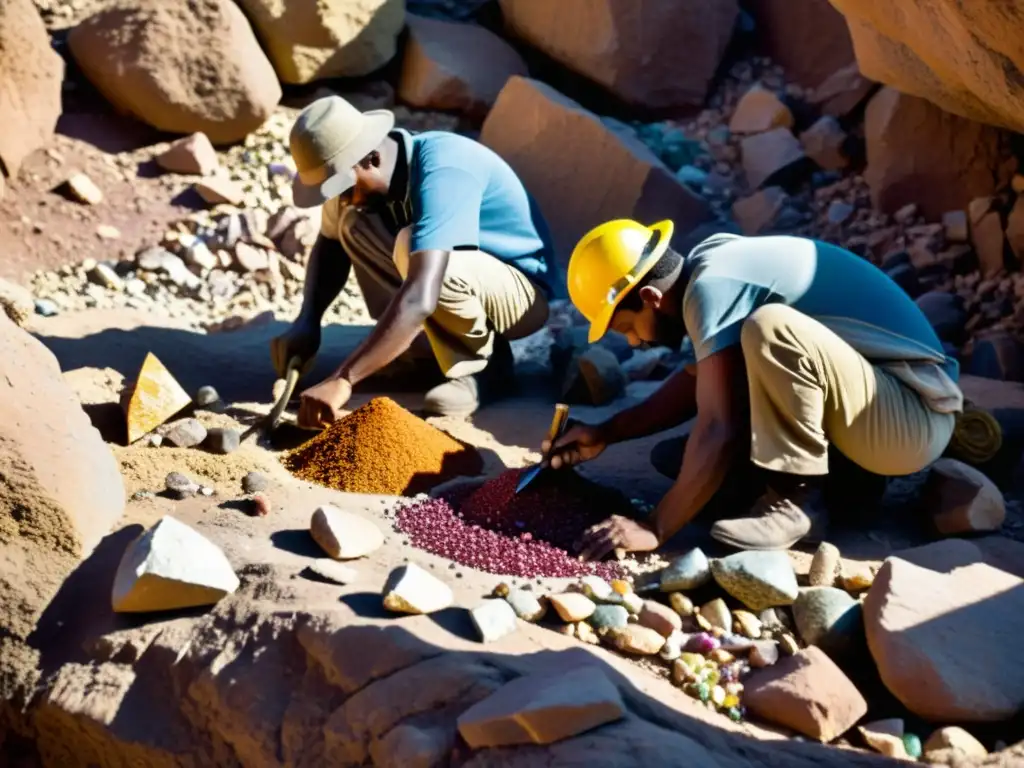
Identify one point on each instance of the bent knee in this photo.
(762, 325)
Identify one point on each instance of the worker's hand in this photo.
(616, 533)
(302, 340)
(581, 442)
(320, 406)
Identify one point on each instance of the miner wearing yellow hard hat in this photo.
(801, 347)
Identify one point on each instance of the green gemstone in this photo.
(703, 691)
(735, 715)
(912, 743)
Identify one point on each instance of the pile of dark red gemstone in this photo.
(530, 534)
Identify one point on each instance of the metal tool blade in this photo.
(558, 423)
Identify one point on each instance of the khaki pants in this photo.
(480, 296)
(808, 388)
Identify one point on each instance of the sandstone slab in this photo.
(658, 54)
(572, 606)
(344, 535)
(31, 73)
(759, 110)
(945, 641)
(580, 171)
(635, 639)
(169, 567)
(193, 155)
(410, 589)
(543, 709)
(311, 40)
(153, 398)
(808, 693)
(919, 154)
(952, 53)
(180, 67)
(961, 499)
(759, 580)
(660, 618)
(765, 155)
(453, 66)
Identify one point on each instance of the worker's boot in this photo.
(777, 520)
(464, 395)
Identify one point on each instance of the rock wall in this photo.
(966, 57)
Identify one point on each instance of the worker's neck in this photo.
(388, 151)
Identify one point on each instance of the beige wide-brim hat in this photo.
(328, 139)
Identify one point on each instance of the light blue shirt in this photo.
(464, 196)
(728, 277)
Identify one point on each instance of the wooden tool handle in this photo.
(558, 421)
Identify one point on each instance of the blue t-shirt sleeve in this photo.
(714, 309)
(446, 210)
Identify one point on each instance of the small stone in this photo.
(885, 737)
(259, 506)
(501, 589)
(526, 605)
(962, 499)
(681, 604)
(829, 618)
(856, 577)
(608, 616)
(633, 603)
(199, 255)
(410, 589)
(207, 396)
(103, 274)
(345, 535)
(108, 232)
(156, 440)
(757, 579)
(84, 189)
(635, 639)
(721, 656)
(953, 740)
(494, 618)
(596, 588)
(905, 214)
(788, 644)
(206, 491)
(690, 571)
(569, 630)
(572, 606)
(912, 744)
(586, 634)
(764, 653)
(254, 482)
(185, 433)
(218, 190)
(660, 618)
(673, 647)
(824, 142)
(542, 709)
(193, 155)
(333, 571)
(46, 308)
(717, 614)
(250, 259)
(222, 440)
(179, 486)
(682, 672)
(807, 693)
(825, 566)
(955, 225)
(747, 624)
(621, 587)
(759, 110)
(839, 211)
(169, 567)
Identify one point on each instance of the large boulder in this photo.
(30, 83)
(448, 65)
(809, 38)
(314, 39)
(581, 172)
(919, 154)
(60, 490)
(943, 623)
(656, 54)
(181, 66)
(963, 56)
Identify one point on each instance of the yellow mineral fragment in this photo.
(155, 397)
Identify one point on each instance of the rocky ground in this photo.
(130, 241)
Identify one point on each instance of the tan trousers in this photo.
(808, 388)
(480, 296)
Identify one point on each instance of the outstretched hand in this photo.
(320, 406)
(616, 533)
(581, 442)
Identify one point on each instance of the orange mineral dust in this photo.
(381, 448)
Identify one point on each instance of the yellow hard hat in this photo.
(607, 262)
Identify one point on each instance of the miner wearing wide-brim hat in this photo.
(443, 239)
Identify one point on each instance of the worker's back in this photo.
(730, 276)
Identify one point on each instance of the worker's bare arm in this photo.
(673, 403)
(326, 274)
(403, 319)
(722, 405)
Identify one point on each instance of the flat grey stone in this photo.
(689, 571)
(759, 580)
